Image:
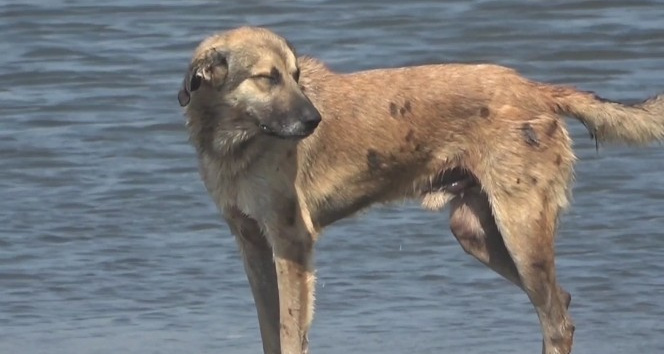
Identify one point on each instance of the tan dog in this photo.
(481, 137)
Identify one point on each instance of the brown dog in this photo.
(481, 137)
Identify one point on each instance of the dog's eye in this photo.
(270, 79)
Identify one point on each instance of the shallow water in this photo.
(109, 243)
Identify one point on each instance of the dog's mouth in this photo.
(287, 135)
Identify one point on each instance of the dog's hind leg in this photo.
(528, 229)
(261, 272)
(524, 169)
(473, 225)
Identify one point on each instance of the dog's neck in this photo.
(235, 164)
(212, 134)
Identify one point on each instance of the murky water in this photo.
(109, 243)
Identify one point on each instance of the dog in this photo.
(286, 147)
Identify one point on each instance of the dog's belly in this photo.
(349, 198)
(351, 190)
(335, 208)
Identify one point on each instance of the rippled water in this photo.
(109, 243)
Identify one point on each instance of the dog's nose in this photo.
(310, 118)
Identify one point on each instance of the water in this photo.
(109, 243)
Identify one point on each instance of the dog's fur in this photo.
(481, 137)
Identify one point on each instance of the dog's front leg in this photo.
(293, 256)
(259, 266)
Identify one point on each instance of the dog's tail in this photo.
(609, 121)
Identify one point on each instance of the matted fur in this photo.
(481, 138)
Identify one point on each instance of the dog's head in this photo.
(251, 73)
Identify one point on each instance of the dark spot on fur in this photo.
(559, 160)
(552, 128)
(393, 110)
(373, 160)
(484, 112)
(409, 136)
(530, 135)
(396, 111)
(290, 312)
(540, 266)
(533, 180)
(518, 181)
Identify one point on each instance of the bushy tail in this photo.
(610, 121)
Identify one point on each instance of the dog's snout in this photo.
(310, 118)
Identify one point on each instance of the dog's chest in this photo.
(256, 191)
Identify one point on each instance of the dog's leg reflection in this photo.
(262, 275)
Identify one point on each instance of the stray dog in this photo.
(287, 147)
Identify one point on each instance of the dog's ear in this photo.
(191, 82)
(212, 67)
